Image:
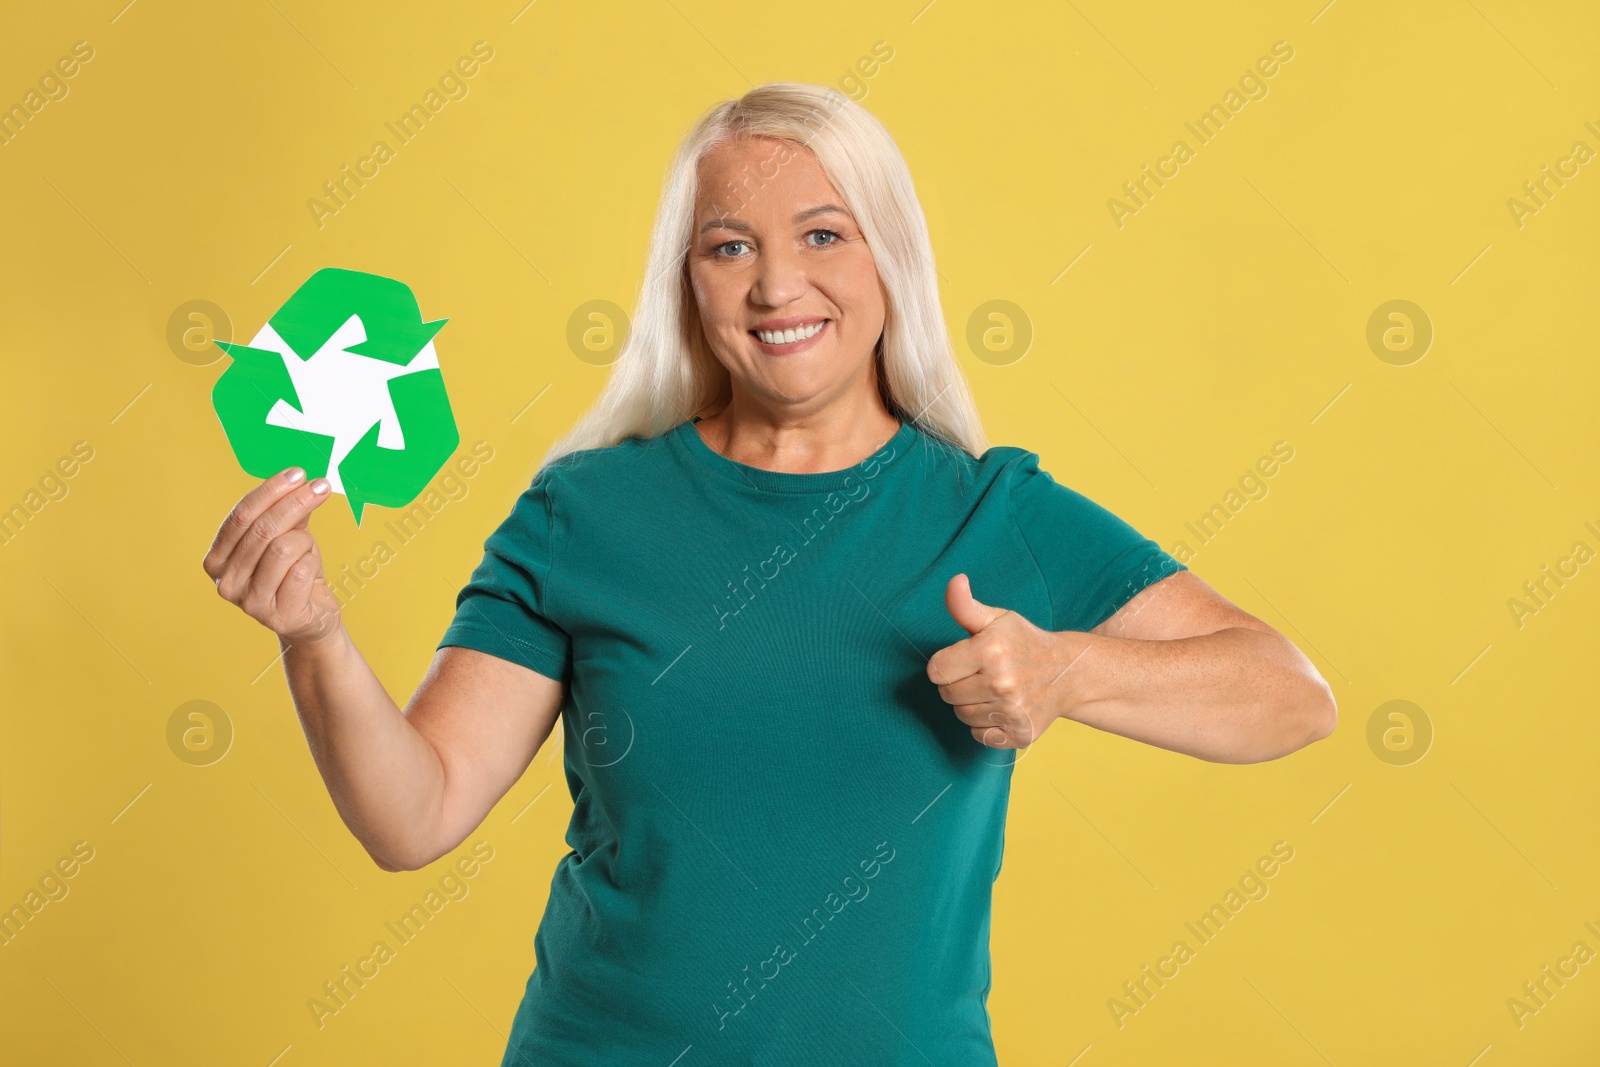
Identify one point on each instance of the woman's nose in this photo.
(779, 277)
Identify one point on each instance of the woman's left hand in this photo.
(1010, 679)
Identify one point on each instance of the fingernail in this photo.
(320, 486)
(294, 475)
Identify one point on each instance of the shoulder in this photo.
(945, 469)
(591, 471)
(1007, 467)
(997, 462)
(570, 486)
(1008, 459)
(1036, 497)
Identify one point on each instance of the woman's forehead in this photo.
(760, 175)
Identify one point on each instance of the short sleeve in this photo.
(1092, 561)
(504, 608)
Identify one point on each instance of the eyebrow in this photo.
(726, 223)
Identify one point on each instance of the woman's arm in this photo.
(1181, 667)
(1178, 666)
(411, 786)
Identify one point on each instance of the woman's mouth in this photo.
(787, 342)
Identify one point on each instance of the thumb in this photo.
(965, 609)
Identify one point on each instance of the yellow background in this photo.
(1229, 313)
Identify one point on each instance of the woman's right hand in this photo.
(411, 785)
(265, 560)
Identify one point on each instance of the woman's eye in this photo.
(721, 249)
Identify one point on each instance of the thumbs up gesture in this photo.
(1010, 679)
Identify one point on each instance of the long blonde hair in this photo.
(666, 371)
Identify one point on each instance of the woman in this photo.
(746, 580)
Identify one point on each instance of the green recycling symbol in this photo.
(344, 382)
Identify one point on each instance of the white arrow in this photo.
(343, 393)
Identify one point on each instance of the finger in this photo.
(991, 737)
(994, 737)
(282, 517)
(297, 589)
(979, 714)
(1003, 716)
(252, 504)
(972, 614)
(284, 552)
(1009, 723)
(955, 662)
(973, 689)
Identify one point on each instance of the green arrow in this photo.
(388, 310)
(394, 478)
(244, 394)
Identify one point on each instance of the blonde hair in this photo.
(666, 371)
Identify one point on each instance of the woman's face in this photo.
(774, 248)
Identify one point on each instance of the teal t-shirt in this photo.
(783, 841)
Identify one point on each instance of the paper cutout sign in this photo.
(344, 382)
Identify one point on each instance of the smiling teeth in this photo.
(785, 337)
